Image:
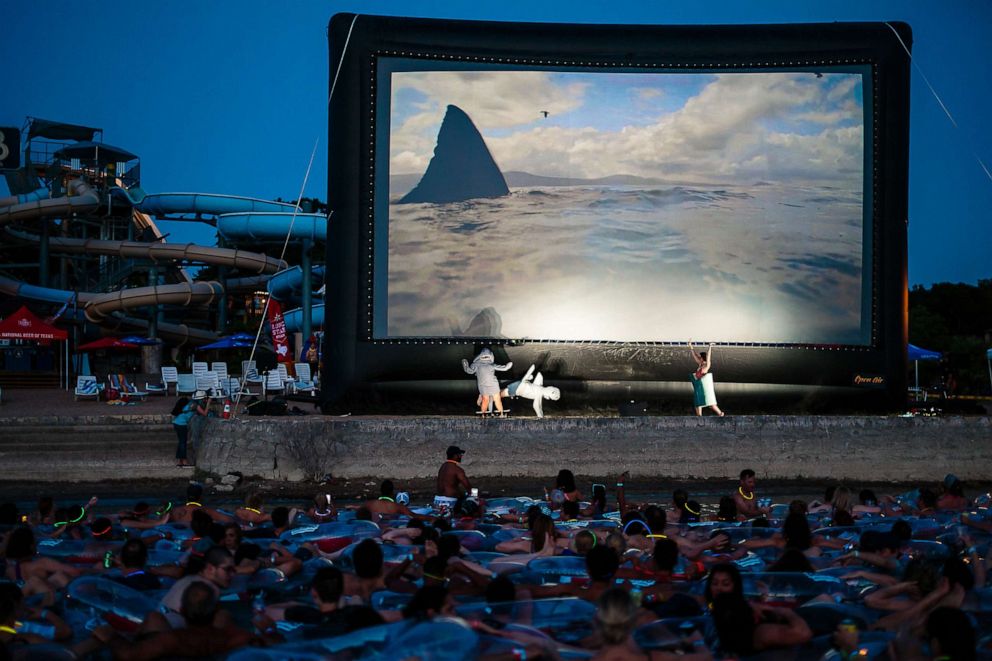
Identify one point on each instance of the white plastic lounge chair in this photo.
(170, 377)
(186, 384)
(199, 369)
(274, 384)
(234, 387)
(221, 370)
(86, 386)
(287, 380)
(209, 383)
(303, 383)
(250, 375)
(156, 388)
(131, 390)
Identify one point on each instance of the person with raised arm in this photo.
(702, 381)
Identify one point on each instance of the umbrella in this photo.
(107, 343)
(229, 343)
(236, 341)
(141, 341)
(916, 354)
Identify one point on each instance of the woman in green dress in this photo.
(702, 381)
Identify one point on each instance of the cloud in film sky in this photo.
(732, 127)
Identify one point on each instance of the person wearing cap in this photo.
(452, 483)
(952, 496)
(451, 478)
(182, 413)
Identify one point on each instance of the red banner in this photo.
(280, 342)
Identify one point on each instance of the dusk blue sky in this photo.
(229, 97)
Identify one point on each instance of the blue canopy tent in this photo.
(916, 354)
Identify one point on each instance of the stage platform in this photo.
(822, 448)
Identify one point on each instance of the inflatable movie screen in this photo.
(589, 198)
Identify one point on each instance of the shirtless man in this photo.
(386, 505)
(451, 479)
(452, 483)
(745, 499)
(194, 498)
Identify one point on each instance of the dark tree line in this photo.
(955, 319)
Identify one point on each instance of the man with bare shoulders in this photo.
(452, 483)
(745, 499)
(206, 634)
(194, 496)
(386, 505)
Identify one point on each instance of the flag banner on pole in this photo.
(280, 342)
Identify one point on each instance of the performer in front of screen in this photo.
(702, 381)
(484, 368)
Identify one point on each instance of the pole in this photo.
(222, 303)
(153, 318)
(306, 325)
(43, 254)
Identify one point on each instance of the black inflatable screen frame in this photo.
(356, 365)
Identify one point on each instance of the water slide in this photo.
(287, 287)
(34, 205)
(236, 217)
(294, 318)
(177, 332)
(272, 226)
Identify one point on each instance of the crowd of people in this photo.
(564, 575)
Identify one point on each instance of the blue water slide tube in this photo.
(178, 332)
(287, 285)
(269, 226)
(206, 204)
(294, 318)
(40, 194)
(15, 288)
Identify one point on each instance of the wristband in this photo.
(620, 484)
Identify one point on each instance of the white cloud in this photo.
(738, 126)
(646, 93)
(493, 100)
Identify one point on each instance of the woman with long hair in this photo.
(702, 381)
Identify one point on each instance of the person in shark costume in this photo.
(532, 387)
(484, 368)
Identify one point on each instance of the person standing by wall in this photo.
(182, 413)
(702, 381)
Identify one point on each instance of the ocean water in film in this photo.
(764, 263)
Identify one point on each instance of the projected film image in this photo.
(633, 207)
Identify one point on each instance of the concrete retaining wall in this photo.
(67, 448)
(855, 448)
